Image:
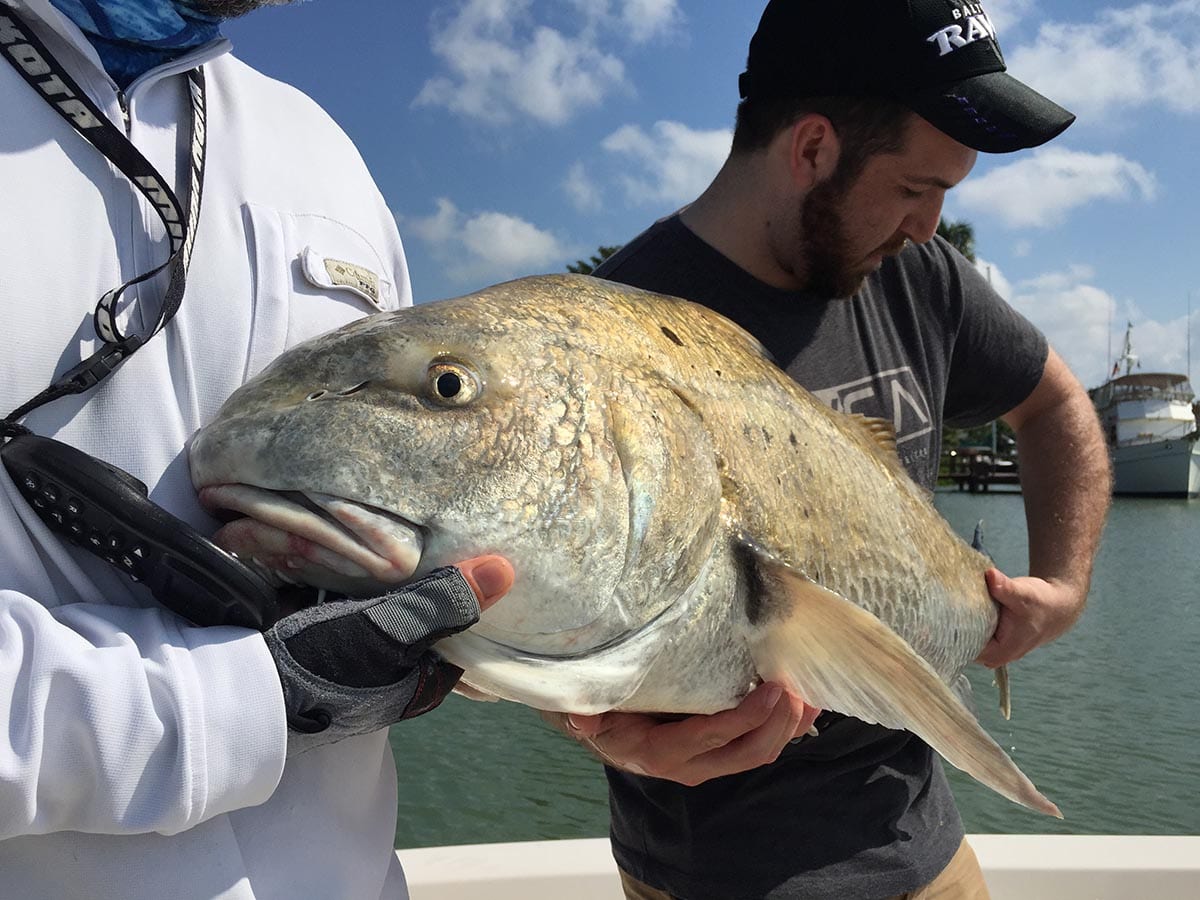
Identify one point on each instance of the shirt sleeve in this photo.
(119, 720)
(998, 355)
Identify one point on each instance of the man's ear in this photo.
(813, 150)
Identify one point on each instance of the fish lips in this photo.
(318, 539)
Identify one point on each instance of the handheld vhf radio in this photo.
(107, 512)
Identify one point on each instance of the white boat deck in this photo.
(1017, 867)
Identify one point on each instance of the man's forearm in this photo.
(1067, 486)
(1067, 489)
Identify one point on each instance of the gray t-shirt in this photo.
(860, 811)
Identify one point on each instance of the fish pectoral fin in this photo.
(473, 693)
(589, 684)
(838, 656)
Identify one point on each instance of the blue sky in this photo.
(513, 137)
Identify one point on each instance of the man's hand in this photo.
(697, 748)
(351, 667)
(1032, 612)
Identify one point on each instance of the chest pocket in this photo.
(312, 274)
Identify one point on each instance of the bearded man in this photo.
(143, 758)
(818, 236)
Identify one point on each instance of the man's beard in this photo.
(823, 244)
(231, 9)
(824, 263)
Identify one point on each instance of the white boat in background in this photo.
(1149, 421)
(1016, 867)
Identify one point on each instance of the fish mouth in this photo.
(363, 546)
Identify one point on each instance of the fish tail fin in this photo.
(838, 656)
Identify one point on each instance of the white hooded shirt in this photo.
(141, 757)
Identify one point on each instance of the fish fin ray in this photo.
(977, 541)
(838, 656)
(464, 689)
(881, 431)
(966, 696)
(1003, 685)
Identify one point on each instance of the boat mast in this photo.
(1128, 357)
(1110, 372)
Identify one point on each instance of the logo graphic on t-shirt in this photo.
(894, 395)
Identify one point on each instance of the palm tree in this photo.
(583, 267)
(961, 235)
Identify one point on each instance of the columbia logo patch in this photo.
(349, 275)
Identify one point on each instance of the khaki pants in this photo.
(962, 879)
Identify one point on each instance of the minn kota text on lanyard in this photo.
(92, 504)
(29, 56)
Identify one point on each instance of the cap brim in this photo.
(992, 113)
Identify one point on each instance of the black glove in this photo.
(355, 666)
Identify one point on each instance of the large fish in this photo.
(683, 518)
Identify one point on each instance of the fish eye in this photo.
(451, 383)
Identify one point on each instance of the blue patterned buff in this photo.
(134, 36)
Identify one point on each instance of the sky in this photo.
(514, 137)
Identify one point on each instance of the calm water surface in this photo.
(1106, 721)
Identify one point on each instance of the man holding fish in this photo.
(684, 519)
(855, 121)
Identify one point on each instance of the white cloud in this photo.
(505, 63)
(1086, 324)
(1006, 13)
(1132, 57)
(672, 163)
(1040, 189)
(647, 19)
(1073, 313)
(486, 246)
(581, 189)
(438, 228)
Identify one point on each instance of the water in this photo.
(1106, 721)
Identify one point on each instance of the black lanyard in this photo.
(45, 74)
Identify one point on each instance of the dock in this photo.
(978, 470)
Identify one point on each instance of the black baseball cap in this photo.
(939, 58)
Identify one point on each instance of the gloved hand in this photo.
(355, 666)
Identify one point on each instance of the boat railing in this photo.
(1182, 431)
(1158, 386)
(1015, 866)
(1124, 392)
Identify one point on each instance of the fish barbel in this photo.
(683, 518)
